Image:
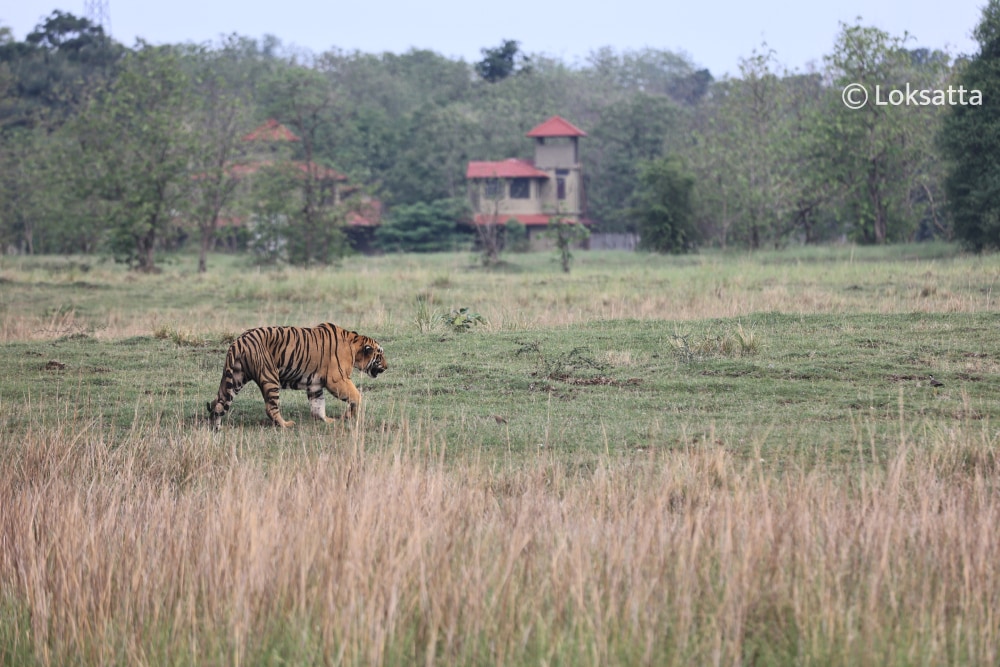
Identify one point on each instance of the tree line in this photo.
(130, 150)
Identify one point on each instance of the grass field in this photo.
(714, 459)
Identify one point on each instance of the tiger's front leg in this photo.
(347, 392)
(317, 405)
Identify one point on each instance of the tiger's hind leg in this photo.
(269, 388)
(232, 382)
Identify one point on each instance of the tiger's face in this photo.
(370, 358)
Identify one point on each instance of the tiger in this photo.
(287, 357)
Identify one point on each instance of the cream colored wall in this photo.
(543, 198)
(568, 206)
(506, 205)
(550, 156)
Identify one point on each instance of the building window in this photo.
(561, 175)
(520, 188)
(492, 188)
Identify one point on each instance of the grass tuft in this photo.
(178, 337)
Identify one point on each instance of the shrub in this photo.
(421, 227)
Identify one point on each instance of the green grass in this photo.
(799, 393)
(710, 459)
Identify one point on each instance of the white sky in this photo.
(714, 35)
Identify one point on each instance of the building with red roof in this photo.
(532, 191)
(268, 139)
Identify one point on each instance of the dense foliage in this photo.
(971, 140)
(773, 157)
(421, 227)
(663, 212)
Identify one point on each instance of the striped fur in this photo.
(309, 358)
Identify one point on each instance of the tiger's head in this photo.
(368, 357)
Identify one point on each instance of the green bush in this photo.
(422, 227)
(515, 236)
(663, 211)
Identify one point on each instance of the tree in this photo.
(220, 121)
(631, 131)
(970, 139)
(653, 72)
(400, 122)
(500, 62)
(54, 70)
(432, 156)
(564, 233)
(876, 152)
(810, 190)
(663, 210)
(743, 153)
(272, 209)
(22, 188)
(138, 144)
(303, 99)
(490, 227)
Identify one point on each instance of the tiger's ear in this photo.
(367, 349)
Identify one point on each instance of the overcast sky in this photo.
(712, 34)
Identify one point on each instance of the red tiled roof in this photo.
(510, 168)
(271, 130)
(557, 126)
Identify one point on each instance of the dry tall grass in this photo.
(184, 548)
